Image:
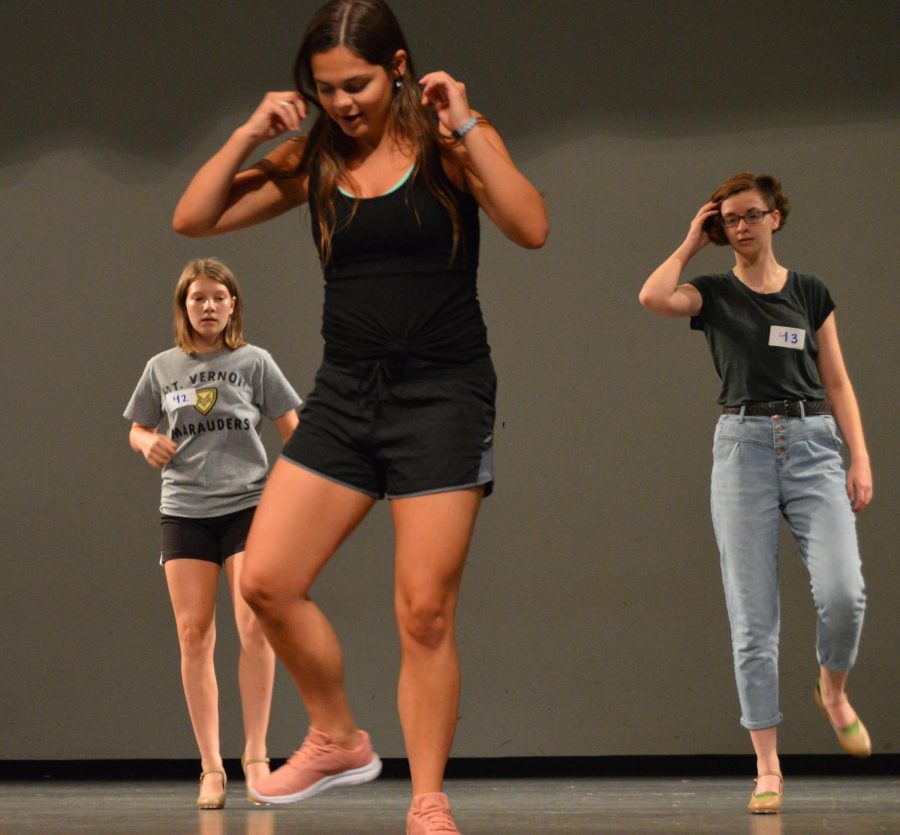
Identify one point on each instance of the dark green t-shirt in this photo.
(764, 345)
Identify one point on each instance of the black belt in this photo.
(786, 408)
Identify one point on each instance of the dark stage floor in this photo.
(834, 805)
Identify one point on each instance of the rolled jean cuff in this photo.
(759, 726)
(836, 666)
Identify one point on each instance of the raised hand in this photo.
(447, 97)
(697, 238)
(277, 113)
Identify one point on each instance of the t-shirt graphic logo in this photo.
(206, 399)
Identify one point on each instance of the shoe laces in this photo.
(308, 751)
(435, 816)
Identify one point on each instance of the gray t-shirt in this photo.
(764, 345)
(211, 405)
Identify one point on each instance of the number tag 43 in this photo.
(781, 336)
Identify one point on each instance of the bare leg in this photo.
(765, 743)
(834, 698)
(301, 521)
(256, 673)
(192, 588)
(433, 535)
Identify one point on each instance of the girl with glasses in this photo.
(785, 393)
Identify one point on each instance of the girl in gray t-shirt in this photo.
(196, 414)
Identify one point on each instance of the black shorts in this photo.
(399, 432)
(211, 538)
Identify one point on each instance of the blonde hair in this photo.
(233, 337)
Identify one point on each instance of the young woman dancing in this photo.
(394, 170)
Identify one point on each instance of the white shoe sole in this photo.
(353, 777)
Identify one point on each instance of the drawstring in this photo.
(382, 373)
(378, 380)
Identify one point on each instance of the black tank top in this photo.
(392, 290)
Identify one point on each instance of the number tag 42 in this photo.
(180, 398)
(781, 336)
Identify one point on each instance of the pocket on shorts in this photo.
(473, 397)
(482, 398)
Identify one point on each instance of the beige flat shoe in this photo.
(766, 803)
(854, 739)
(244, 763)
(212, 800)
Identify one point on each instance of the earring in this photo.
(397, 84)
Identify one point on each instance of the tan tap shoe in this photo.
(209, 800)
(245, 761)
(766, 803)
(854, 739)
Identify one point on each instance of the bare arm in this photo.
(287, 423)
(846, 412)
(661, 292)
(221, 197)
(156, 448)
(506, 195)
(513, 204)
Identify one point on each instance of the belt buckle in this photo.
(787, 408)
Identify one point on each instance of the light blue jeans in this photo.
(765, 468)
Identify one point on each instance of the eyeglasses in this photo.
(752, 217)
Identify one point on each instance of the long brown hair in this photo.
(217, 271)
(369, 29)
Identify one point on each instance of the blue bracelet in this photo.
(464, 128)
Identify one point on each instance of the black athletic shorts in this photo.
(211, 538)
(399, 431)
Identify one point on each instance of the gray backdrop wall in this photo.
(592, 620)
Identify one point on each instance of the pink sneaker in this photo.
(430, 815)
(317, 765)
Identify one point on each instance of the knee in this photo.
(262, 598)
(841, 599)
(259, 589)
(254, 590)
(424, 623)
(251, 634)
(196, 639)
(268, 594)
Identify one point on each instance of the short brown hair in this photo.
(217, 271)
(765, 184)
